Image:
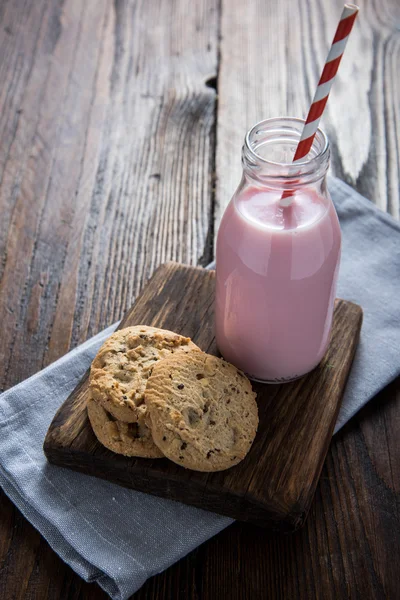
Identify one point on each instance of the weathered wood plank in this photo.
(349, 547)
(106, 158)
(271, 57)
(107, 169)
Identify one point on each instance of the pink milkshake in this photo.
(277, 266)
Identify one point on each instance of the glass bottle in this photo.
(277, 265)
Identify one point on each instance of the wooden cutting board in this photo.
(274, 485)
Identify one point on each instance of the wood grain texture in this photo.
(274, 485)
(37, 47)
(106, 153)
(272, 54)
(107, 144)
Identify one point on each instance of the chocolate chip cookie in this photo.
(203, 412)
(120, 370)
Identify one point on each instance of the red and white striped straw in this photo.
(332, 63)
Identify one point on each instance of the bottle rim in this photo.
(313, 167)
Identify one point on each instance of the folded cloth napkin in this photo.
(119, 537)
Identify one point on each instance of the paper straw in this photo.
(332, 63)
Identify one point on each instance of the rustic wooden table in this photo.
(121, 125)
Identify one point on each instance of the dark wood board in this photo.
(275, 483)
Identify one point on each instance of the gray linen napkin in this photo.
(119, 537)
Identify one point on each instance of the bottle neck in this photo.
(269, 148)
